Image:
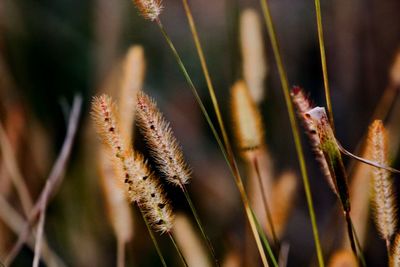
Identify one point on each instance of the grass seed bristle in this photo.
(161, 141)
(246, 117)
(383, 201)
(255, 68)
(149, 9)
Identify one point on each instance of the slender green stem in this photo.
(178, 249)
(227, 156)
(199, 224)
(206, 73)
(265, 241)
(153, 238)
(265, 202)
(323, 62)
(294, 126)
(350, 233)
(360, 253)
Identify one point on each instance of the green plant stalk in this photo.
(294, 126)
(199, 224)
(230, 161)
(334, 160)
(153, 238)
(269, 249)
(207, 75)
(323, 61)
(360, 255)
(213, 97)
(177, 249)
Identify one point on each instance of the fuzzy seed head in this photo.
(383, 200)
(255, 68)
(246, 117)
(149, 9)
(161, 141)
(134, 68)
(155, 204)
(304, 105)
(130, 166)
(117, 204)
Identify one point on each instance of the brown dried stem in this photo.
(54, 179)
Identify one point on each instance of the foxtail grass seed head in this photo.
(395, 70)
(304, 105)
(117, 204)
(133, 73)
(246, 118)
(394, 256)
(330, 149)
(161, 141)
(156, 206)
(104, 113)
(255, 68)
(343, 258)
(149, 9)
(383, 200)
(142, 186)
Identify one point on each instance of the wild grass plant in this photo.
(151, 193)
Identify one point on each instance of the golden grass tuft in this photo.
(149, 9)
(246, 118)
(133, 73)
(161, 141)
(383, 200)
(255, 68)
(117, 204)
(141, 185)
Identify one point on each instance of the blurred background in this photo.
(51, 50)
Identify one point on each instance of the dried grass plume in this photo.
(161, 141)
(255, 68)
(383, 200)
(246, 118)
(149, 9)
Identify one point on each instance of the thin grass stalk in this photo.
(39, 238)
(265, 202)
(177, 249)
(153, 238)
(294, 126)
(358, 244)
(323, 62)
(120, 253)
(227, 156)
(199, 224)
(266, 243)
(207, 75)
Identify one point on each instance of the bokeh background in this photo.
(51, 50)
